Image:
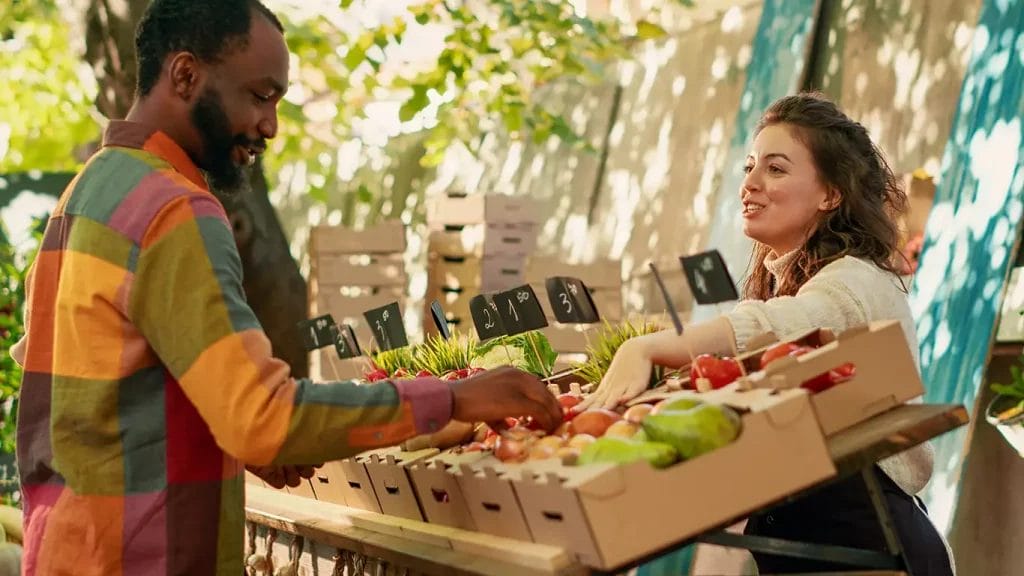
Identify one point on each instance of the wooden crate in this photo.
(456, 210)
(352, 271)
(481, 240)
(475, 274)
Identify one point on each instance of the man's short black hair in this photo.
(206, 28)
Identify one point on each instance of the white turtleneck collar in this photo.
(776, 265)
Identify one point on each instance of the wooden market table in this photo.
(421, 548)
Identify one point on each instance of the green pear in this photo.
(673, 404)
(625, 450)
(696, 431)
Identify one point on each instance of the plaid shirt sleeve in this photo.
(188, 302)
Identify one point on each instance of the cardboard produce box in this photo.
(328, 483)
(611, 515)
(356, 486)
(490, 498)
(441, 499)
(885, 373)
(388, 472)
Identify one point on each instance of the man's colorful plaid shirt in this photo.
(148, 380)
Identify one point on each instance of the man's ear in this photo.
(186, 75)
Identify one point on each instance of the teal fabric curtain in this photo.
(779, 49)
(970, 234)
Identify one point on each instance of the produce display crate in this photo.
(347, 482)
(886, 374)
(602, 513)
(388, 472)
(352, 271)
(438, 491)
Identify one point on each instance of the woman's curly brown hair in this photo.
(863, 224)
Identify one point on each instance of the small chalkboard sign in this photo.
(345, 342)
(486, 319)
(437, 313)
(387, 326)
(571, 301)
(520, 310)
(709, 278)
(317, 332)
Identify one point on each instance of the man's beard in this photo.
(209, 119)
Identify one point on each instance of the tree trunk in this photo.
(273, 285)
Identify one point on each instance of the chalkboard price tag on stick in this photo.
(485, 316)
(387, 326)
(317, 333)
(520, 310)
(571, 301)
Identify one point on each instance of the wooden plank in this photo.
(338, 271)
(349, 309)
(480, 208)
(417, 548)
(386, 237)
(483, 240)
(475, 274)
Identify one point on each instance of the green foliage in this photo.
(1015, 389)
(13, 273)
(391, 360)
(439, 356)
(530, 351)
(46, 111)
(609, 340)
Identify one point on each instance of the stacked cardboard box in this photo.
(477, 243)
(352, 271)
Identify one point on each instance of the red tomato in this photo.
(826, 380)
(568, 400)
(423, 374)
(719, 371)
(376, 375)
(779, 351)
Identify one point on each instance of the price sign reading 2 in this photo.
(486, 318)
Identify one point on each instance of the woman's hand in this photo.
(627, 377)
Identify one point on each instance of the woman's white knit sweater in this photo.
(846, 293)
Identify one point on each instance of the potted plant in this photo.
(1006, 410)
